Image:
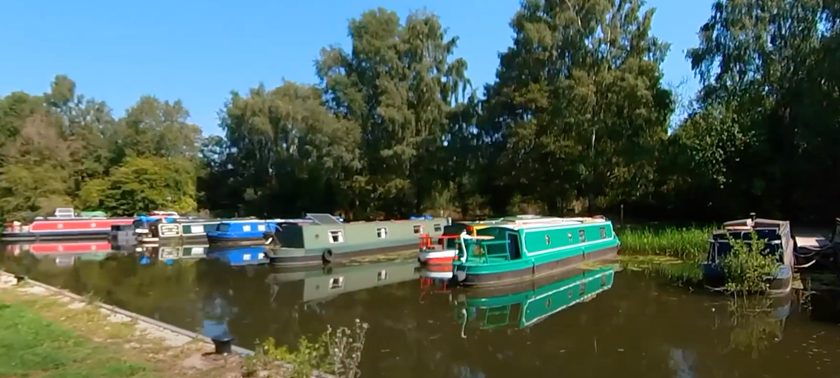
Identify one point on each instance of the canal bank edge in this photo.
(197, 348)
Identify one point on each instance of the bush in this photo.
(746, 267)
(336, 353)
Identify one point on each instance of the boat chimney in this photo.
(223, 343)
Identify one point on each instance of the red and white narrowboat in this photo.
(61, 227)
(443, 252)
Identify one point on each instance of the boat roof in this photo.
(749, 224)
(536, 222)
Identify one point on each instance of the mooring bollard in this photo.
(223, 343)
(20, 278)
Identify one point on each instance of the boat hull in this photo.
(468, 277)
(279, 259)
(236, 241)
(437, 256)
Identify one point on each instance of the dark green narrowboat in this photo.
(326, 239)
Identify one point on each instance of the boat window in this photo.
(570, 236)
(582, 235)
(382, 232)
(186, 229)
(438, 228)
(246, 228)
(418, 228)
(336, 236)
(260, 227)
(209, 227)
(382, 275)
(336, 283)
(547, 240)
(603, 280)
(582, 288)
(603, 233)
(223, 227)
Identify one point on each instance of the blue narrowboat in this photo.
(242, 233)
(251, 255)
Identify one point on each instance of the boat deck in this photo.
(812, 238)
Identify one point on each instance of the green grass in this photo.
(31, 346)
(671, 252)
(689, 244)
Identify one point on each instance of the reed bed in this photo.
(689, 244)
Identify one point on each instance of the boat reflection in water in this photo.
(239, 256)
(525, 304)
(64, 253)
(311, 284)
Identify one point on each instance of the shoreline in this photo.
(174, 350)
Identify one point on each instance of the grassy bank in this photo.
(688, 244)
(30, 345)
(45, 334)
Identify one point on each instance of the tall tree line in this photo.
(577, 120)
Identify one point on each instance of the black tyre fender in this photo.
(327, 256)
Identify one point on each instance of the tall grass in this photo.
(689, 244)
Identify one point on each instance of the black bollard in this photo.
(20, 278)
(223, 343)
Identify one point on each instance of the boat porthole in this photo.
(548, 303)
(547, 240)
(570, 236)
(582, 288)
(570, 293)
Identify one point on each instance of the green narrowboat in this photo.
(525, 304)
(326, 239)
(526, 248)
(321, 284)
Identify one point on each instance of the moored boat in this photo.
(326, 239)
(524, 304)
(231, 233)
(521, 249)
(445, 249)
(64, 225)
(777, 240)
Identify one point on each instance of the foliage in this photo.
(747, 267)
(336, 353)
(577, 119)
(674, 270)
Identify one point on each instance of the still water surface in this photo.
(593, 323)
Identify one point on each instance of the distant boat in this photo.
(62, 226)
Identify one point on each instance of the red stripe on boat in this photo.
(70, 247)
(55, 225)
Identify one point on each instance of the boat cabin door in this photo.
(513, 246)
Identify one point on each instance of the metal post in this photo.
(622, 214)
(223, 343)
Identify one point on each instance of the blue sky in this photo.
(198, 52)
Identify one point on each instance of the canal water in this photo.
(603, 322)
